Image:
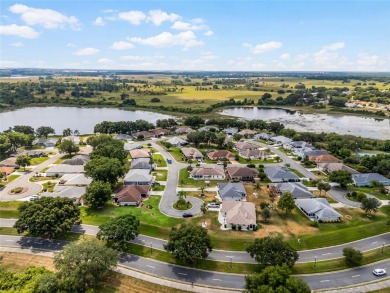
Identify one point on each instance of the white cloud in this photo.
(19, 31)
(366, 61)
(17, 44)
(122, 45)
(181, 25)
(157, 17)
(285, 56)
(334, 46)
(10, 64)
(329, 58)
(71, 45)
(105, 61)
(185, 39)
(132, 58)
(86, 52)
(262, 48)
(208, 33)
(47, 18)
(134, 17)
(99, 21)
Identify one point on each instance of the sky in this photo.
(311, 35)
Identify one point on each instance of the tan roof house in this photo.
(158, 132)
(215, 173)
(241, 173)
(323, 159)
(184, 130)
(131, 195)
(221, 154)
(10, 162)
(253, 154)
(6, 170)
(145, 134)
(331, 167)
(142, 153)
(192, 154)
(247, 132)
(241, 146)
(238, 215)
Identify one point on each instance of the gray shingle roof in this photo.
(366, 178)
(319, 207)
(280, 174)
(231, 190)
(138, 175)
(140, 163)
(297, 190)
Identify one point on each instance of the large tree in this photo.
(18, 139)
(353, 257)
(47, 216)
(5, 145)
(68, 146)
(24, 129)
(97, 194)
(23, 161)
(44, 131)
(275, 279)
(189, 243)
(286, 202)
(105, 169)
(272, 251)
(342, 177)
(370, 204)
(119, 230)
(323, 186)
(83, 265)
(110, 149)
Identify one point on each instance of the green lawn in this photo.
(159, 160)
(176, 154)
(300, 175)
(161, 175)
(373, 191)
(11, 178)
(49, 186)
(8, 209)
(37, 161)
(185, 181)
(158, 187)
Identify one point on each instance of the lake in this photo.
(347, 124)
(82, 119)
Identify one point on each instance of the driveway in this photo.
(340, 196)
(170, 193)
(23, 181)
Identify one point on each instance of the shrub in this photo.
(360, 196)
(239, 227)
(315, 224)
(264, 205)
(251, 166)
(234, 227)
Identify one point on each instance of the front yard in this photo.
(185, 181)
(160, 175)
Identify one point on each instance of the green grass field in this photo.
(161, 175)
(159, 160)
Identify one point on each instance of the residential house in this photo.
(45, 142)
(141, 153)
(247, 132)
(208, 128)
(63, 169)
(159, 132)
(123, 136)
(77, 160)
(144, 134)
(75, 180)
(184, 130)
(177, 142)
(280, 174)
(138, 177)
(31, 154)
(323, 159)
(87, 150)
(331, 167)
(208, 173)
(220, 155)
(241, 173)
(263, 135)
(231, 191)
(131, 195)
(230, 131)
(132, 146)
(253, 154)
(365, 179)
(192, 154)
(5, 171)
(318, 209)
(238, 214)
(297, 189)
(312, 153)
(73, 192)
(299, 147)
(280, 139)
(10, 162)
(72, 138)
(243, 146)
(141, 163)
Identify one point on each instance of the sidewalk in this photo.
(135, 274)
(360, 289)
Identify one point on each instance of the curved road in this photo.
(23, 180)
(208, 278)
(170, 193)
(319, 254)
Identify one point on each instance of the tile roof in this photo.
(214, 155)
(239, 212)
(140, 153)
(241, 171)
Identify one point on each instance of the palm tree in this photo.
(257, 186)
(202, 188)
(203, 208)
(67, 132)
(76, 132)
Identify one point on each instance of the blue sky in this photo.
(196, 35)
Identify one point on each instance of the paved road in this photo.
(287, 160)
(33, 188)
(320, 254)
(236, 281)
(170, 193)
(340, 196)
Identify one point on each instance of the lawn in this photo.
(159, 160)
(161, 175)
(37, 161)
(300, 175)
(373, 191)
(10, 178)
(176, 154)
(40, 178)
(186, 181)
(158, 187)
(48, 186)
(63, 158)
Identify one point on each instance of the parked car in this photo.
(213, 205)
(187, 215)
(169, 161)
(379, 272)
(33, 197)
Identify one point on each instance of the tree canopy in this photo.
(47, 216)
(353, 257)
(189, 243)
(68, 146)
(342, 177)
(275, 279)
(44, 131)
(272, 251)
(97, 194)
(23, 161)
(286, 202)
(120, 229)
(370, 204)
(105, 169)
(82, 265)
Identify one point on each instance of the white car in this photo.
(379, 272)
(34, 197)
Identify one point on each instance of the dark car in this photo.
(187, 215)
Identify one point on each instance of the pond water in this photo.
(82, 119)
(347, 124)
